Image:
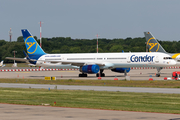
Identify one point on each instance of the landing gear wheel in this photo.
(102, 75)
(158, 71)
(125, 73)
(83, 75)
(157, 75)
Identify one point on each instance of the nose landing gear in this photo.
(158, 71)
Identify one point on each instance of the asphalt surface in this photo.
(27, 112)
(95, 88)
(21, 112)
(139, 74)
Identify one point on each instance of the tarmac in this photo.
(21, 112)
(139, 74)
(94, 88)
(28, 112)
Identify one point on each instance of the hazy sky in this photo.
(85, 18)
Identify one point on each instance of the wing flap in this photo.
(76, 63)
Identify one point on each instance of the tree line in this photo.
(69, 45)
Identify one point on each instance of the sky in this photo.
(84, 19)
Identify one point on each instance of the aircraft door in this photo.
(156, 59)
(128, 59)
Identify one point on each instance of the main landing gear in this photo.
(97, 74)
(83, 75)
(101, 74)
(125, 73)
(158, 71)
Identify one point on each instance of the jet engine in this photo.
(89, 69)
(121, 70)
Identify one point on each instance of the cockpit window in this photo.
(167, 58)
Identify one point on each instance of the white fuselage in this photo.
(110, 60)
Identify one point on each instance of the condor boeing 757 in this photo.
(89, 63)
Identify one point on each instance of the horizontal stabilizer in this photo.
(17, 59)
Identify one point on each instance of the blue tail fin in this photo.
(33, 49)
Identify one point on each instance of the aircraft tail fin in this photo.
(33, 49)
(152, 43)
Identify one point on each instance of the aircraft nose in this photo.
(173, 62)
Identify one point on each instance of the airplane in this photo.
(154, 46)
(1, 64)
(92, 63)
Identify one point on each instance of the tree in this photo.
(116, 48)
(35, 37)
(2, 42)
(75, 50)
(20, 39)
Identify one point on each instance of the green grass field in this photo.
(120, 83)
(147, 102)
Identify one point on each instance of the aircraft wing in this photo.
(17, 59)
(82, 63)
(77, 63)
(74, 63)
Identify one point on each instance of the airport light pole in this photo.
(40, 33)
(97, 42)
(14, 55)
(10, 35)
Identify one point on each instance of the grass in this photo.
(120, 83)
(146, 102)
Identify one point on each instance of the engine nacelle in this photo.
(89, 69)
(121, 70)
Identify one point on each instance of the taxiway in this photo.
(139, 74)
